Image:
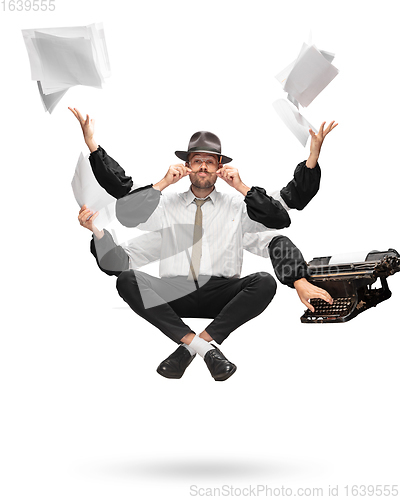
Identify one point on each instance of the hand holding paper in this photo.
(86, 219)
(88, 192)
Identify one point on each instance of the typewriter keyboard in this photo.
(341, 306)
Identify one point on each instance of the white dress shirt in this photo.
(227, 230)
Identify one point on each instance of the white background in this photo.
(84, 415)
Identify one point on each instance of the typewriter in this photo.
(350, 285)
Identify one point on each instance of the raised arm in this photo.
(87, 126)
(316, 142)
(109, 174)
(307, 175)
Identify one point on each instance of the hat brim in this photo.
(183, 155)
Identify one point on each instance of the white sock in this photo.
(200, 346)
(190, 349)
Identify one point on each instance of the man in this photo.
(216, 226)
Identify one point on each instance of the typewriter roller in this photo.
(350, 285)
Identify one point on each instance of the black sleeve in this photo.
(287, 260)
(303, 187)
(111, 258)
(265, 209)
(109, 174)
(137, 206)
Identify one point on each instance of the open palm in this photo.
(318, 139)
(86, 124)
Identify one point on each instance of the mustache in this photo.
(202, 172)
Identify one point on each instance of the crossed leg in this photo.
(229, 302)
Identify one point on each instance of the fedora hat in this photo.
(204, 142)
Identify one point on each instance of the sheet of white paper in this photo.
(290, 115)
(329, 56)
(53, 87)
(34, 59)
(50, 101)
(100, 49)
(106, 217)
(348, 258)
(283, 75)
(63, 57)
(293, 101)
(66, 60)
(311, 73)
(87, 191)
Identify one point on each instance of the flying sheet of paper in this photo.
(87, 191)
(93, 32)
(64, 57)
(30, 34)
(284, 74)
(98, 37)
(68, 61)
(50, 101)
(291, 117)
(308, 75)
(293, 101)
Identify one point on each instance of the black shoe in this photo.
(220, 368)
(175, 365)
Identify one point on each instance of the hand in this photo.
(175, 173)
(83, 217)
(231, 176)
(87, 126)
(316, 142)
(306, 291)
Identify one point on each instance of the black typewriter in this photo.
(350, 286)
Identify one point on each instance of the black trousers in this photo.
(229, 302)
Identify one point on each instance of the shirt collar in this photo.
(190, 197)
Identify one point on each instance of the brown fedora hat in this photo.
(204, 142)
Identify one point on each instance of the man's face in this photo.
(204, 167)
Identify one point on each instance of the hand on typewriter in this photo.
(307, 291)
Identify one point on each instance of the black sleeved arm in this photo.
(111, 258)
(132, 207)
(265, 209)
(303, 187)
(287, 260)
(109, 174)
(137, 206)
